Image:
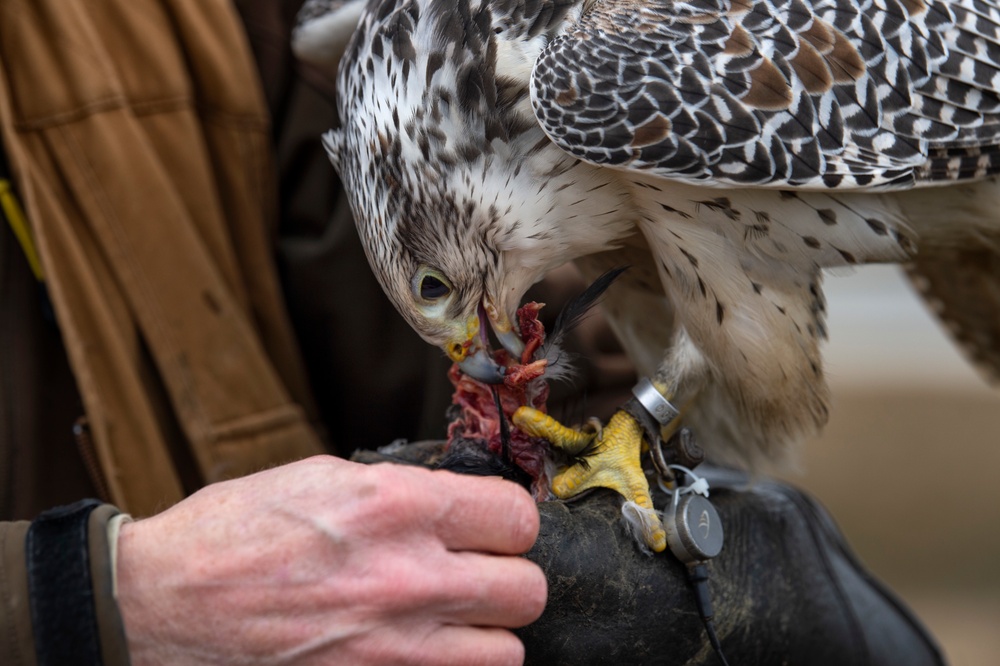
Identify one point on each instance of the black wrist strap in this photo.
(60, 589)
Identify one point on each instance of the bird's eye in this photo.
(432, 288)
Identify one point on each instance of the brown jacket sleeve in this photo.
(139, 140)
(17, 642)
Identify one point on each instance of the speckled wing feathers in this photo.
(822, 93)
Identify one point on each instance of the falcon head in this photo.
(450, 253)
(456, 243)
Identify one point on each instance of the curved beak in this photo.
(480, 365)
(478, 362)
(510, 339)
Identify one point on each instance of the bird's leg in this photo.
(539, 424)
(609, 459)
(681, 375)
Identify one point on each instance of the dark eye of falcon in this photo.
(432, 288)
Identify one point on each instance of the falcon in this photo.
(727, 151)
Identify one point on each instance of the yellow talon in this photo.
(540, 424)
(614, 462)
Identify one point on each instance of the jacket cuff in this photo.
(67, 577)
(103, 538)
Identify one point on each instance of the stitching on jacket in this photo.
(258, 423)
(117, 102)
(99, 105)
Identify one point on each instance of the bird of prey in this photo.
(726, 150)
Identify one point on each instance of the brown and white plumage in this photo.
(729, 150)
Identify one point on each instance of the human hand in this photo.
(325, 561)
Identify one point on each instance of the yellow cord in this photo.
(16, 219)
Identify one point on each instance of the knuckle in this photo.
(321, 462)
(396, 488)
(391, 496)
(317, 469)
(406, 586)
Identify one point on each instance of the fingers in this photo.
(486, 590)
(441, 645)
(473, 646)
(486, 514)
(467, 574)
(463, 587)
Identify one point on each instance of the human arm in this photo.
(320, 561)
(327, 561)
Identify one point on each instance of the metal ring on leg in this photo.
(654, 402)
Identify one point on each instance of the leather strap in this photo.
(62, 597)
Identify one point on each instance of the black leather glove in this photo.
(786, 588)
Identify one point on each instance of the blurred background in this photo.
(908, 462)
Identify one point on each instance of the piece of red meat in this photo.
(523, 385)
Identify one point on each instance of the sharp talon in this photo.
(613, 462)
